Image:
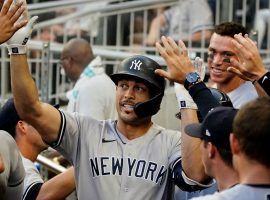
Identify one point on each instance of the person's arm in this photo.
(154, 31)
(250, 66)
(9, 23)
(179, 65)
(58, 187)
(44, 117)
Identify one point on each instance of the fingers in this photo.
(183, 47)
(20, 25)
(163, 73)
(161, 50)
(16, 15)
(167, 45)
(12, 10)
(234, 70)
(174, 46)
(6, 7)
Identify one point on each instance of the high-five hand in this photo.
(9, 16)
(176, 58)
(250, 66)
(17, 43)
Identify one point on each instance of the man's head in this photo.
(215, 131)
(17, 128)
(76, 55)
(221, 51)
(139, 89)
(251, 132)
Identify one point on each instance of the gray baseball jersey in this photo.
(241, 192)
(109, 166)
(11, 180)
(32, 180)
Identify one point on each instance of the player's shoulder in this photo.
(165, 131)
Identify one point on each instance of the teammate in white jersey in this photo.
(220, 52)
(180, 69)
(128, 158)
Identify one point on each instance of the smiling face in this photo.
(128, 93)
(220, 52)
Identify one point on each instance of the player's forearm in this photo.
(23, 87)
(203, 98)
(59, 187)
(190, 148)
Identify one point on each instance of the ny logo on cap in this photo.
(207, 133)
(136, 65)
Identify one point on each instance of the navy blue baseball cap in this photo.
(215, 128)
(9, 117)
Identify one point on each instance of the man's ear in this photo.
(234, 143)
(21, 126)
(211, 149)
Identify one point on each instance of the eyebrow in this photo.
(227, 52)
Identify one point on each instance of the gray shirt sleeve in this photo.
(12, 177)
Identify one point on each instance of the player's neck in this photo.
(226, 177)
(253, 172)
(231, 85)
(133, 131)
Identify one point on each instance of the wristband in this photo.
(183, 98)
(16, 49)
(264, 82)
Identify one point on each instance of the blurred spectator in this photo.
(94, 92)
(189, 20)
(262, 22)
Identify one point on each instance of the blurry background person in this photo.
(94, 92)
(189, 20)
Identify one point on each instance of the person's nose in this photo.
(129, 93)
(217, 59)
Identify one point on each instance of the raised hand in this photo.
(16, 44)
(176, 58)
(9, 16)
(250, 65)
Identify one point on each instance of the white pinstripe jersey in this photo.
(108, 166)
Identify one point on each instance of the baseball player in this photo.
(249, 143)
(30, 145)
(127, 158)
(11, 167)
(11, 179)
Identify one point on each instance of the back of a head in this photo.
(230, 29)
(80, 50)
(251, 126)
(9, 117)
(143, 68)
